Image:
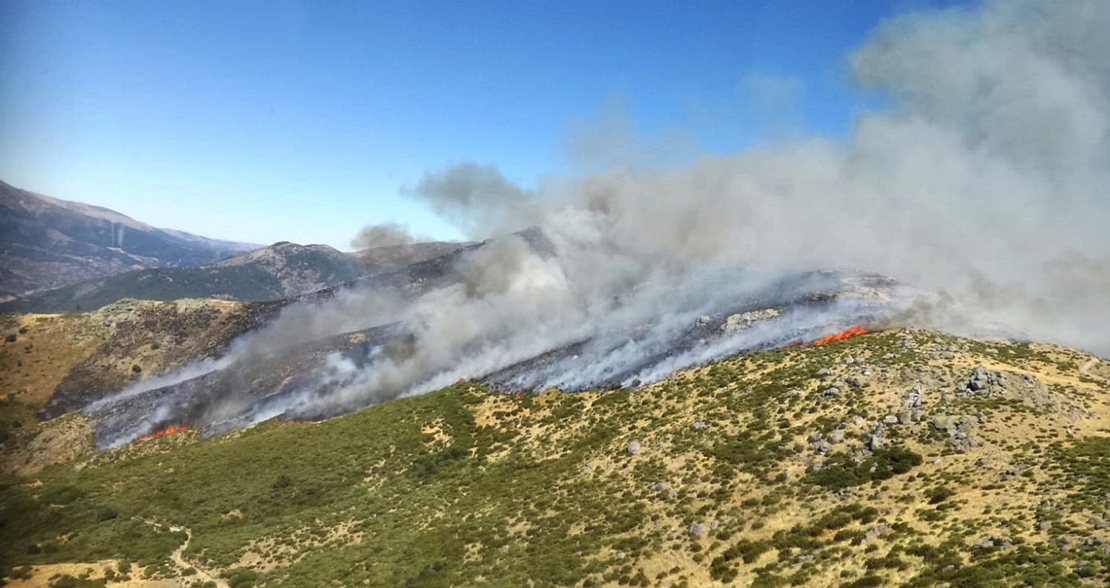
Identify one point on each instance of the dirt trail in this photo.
(178, 558)
(1086, 369)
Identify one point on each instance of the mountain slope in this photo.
(392, 257)
(47, 243)
(900, 458)
(270, 273)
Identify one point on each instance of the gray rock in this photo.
(660, 486)
(914, 398)
(1098, 523)
(837, 436)
(876, 443)
(697, 529)
(699, 425)
(830, 392)
(889, 356)
(1045, 525)
(857, 382)
(823, 372)
(981, 382)
(890, 419)
(821, 447)
(633, 447)
(905, 418)
(619, 555)
(714, 524)
(984, 544)
(945, 424)
(703, 320)
(744, 320)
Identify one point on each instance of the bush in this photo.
(939, 494)
(884, 464)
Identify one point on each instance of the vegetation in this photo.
(775, 486)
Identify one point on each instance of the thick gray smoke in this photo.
(984, 183)
(987, 176)
(383, 235)
(475, 197)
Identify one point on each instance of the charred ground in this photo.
(900, 458)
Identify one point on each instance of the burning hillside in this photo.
(973, 186)
(636, 333)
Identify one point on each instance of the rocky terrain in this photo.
(896, 458)
(49, 243)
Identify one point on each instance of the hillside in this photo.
(282, 270)
(392, 257)
(49, 243)
(270, 273)
(898, 458)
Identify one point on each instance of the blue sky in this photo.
(298, 120)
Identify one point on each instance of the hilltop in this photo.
(898, 458)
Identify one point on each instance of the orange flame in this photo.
(170, 430)
(850, 332)
(846, 334)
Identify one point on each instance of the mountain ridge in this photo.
(47, 242)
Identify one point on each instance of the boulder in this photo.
(744, 320)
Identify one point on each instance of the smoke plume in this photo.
(986, 176)
(383, 235)
(982, 183)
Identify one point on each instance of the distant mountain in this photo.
(49, 243)
(279, 271)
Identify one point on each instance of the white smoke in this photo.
(984, 180)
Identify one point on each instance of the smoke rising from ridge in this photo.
(384, 235)
(990, 167)
(983, 184)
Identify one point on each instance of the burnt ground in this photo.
(293, 383)
(154, 338)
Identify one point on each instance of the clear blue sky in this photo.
(301, 120)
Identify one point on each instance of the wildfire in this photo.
(848, 333)
(285, 421)
(170, 430)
